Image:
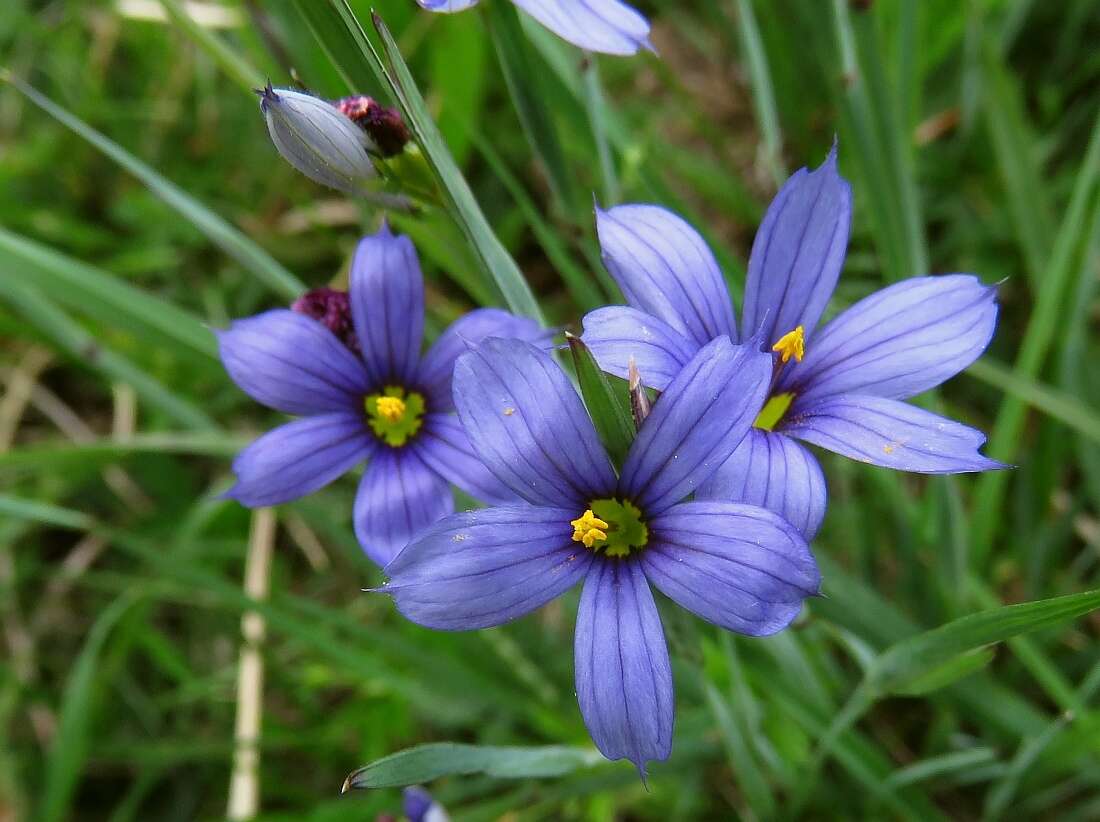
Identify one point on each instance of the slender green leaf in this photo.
(943, 765)
(427, 762)
(88, 289)
(334, 27)
(87, 350)
(1001, 795)
(910, 659)
(581, 284)
(608, 407)
(525, 81)
(1015, 149)
(948, 673)
(59, 456)
(882, 145)
(597, 109)
(1045, 320)
(217, 230)
(729, 715)
(460, 200)
(72, 742)
(236, 68)
(44, 513)
(1065, 408)
(763, 93)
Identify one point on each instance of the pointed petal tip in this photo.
(267, 96)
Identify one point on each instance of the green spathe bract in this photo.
(773, 411)
(626, 531)
(395, 432)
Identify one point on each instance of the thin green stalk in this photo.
(763, 91)
(236, 68)
(85, 349)
(1005, 437)
(526, 87)
(245, 251)
(596, 107)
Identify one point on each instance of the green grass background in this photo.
(970, 133)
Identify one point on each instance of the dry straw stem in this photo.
(244, 784)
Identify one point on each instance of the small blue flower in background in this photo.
(364, 394)
(839, 388)
(607, 26)
(420, 806)
(739, 566)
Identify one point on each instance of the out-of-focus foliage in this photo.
(969, 132)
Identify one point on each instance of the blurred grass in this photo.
(970, 134)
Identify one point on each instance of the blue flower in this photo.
(421, 806)
(738, 566)
(841, 387)
(607, 26)
(380, 402)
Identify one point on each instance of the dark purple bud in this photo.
(384, 125)
(331, 308)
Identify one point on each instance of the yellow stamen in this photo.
(791, 344)
(589, 529)
(391, 408)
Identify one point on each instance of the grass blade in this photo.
(763, 93)
(1037, 341)
(99, 294)
(87, 350)
(525, 81)
(1067, 409)
(1015, 150)
(215, 228)
(236, 68)
(912, 658)
(609, 409)
(596, 108)
(580, 282)
(64, 455)
(333, 26)
(460, 200)
(427, 762)
(73, 740)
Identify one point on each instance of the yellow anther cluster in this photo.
(589, 529)
(391, 408)
(791, 344)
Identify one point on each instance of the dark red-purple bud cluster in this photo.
(331, 308)
(384, 125)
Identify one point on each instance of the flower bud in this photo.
(384, 125)
(331, 308)
(317, 139)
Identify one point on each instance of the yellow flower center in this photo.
(613, 526)
(791, 344)
(589, 529)
(394, 414)
(391, 408)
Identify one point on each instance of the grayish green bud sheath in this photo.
(318, 139)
